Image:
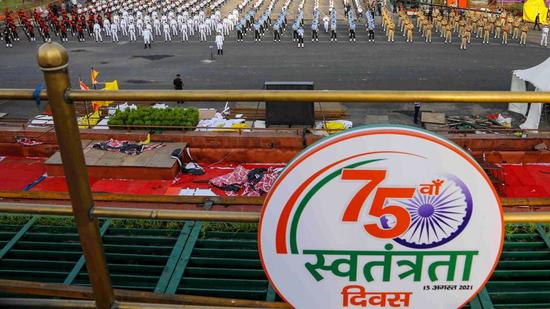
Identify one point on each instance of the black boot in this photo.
(222, 51)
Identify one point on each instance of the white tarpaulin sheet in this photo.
(538, 76)
(518, 84)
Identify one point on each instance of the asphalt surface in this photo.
(330, 65)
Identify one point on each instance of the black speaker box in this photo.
(289, 113)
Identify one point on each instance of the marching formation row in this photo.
(168, 19)
(448, 23)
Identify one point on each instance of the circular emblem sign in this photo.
(380, 217)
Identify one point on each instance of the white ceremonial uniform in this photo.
(183, 30)
(139, 25)
(97, 32)
(107, 27)
(202, 31)
(147, 36)
(124, 27)
(114, 32)
(148, 26)
(132, 32)
(544, 37)
(208, 24)
(166, 30)
(191, 27)
(156, 24)
(219, 43)
(174, 26)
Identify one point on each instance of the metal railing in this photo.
(53, 60)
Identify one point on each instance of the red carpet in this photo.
(17, 172)
(528, 180)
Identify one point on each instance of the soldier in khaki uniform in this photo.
(429, 28)
(456, 23)
(510, 21)
(498, 28)
(443, 28)
(468, 31)
(480, 25)
(505, 31)
(464, 39)
(523, 37)
(516, 25)
(448, 34)
(461, 26)
(391, 32)
(486, 33)
(410, 28)
(423, 27)
(438, 21)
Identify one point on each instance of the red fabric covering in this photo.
(131, 186)
(52, 184)
(528, 180)
(17, 172)
(127, 186)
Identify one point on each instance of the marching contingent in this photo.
(484, 25)
(165, 20)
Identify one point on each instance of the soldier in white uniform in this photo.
(219, 43)
(139, 25)
(325, 23)
(202, 31)
(116, 19)
(191, 27)
(208, 26)
(114, 32)
(124, 27)
(97, 33)
(132, 32)
(544, 37)
(166, 30)
(156, 24)
(174, 26)
(107, 27)
(147, 37)
(183, 30)
(300, 37)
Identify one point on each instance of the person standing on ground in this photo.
(300, 32)
(97, 32)
(147, 37)
(523, 36)
(219, 43)
(537, 22)
(178, 85)
(416, 111)
(544, 38)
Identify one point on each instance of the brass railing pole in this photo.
(53, 60)
(200, 215)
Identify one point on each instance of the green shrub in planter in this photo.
(148, 116)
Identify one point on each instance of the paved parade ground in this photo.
(246, 65)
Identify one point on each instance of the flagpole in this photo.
(92, 74)
(85, 105)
